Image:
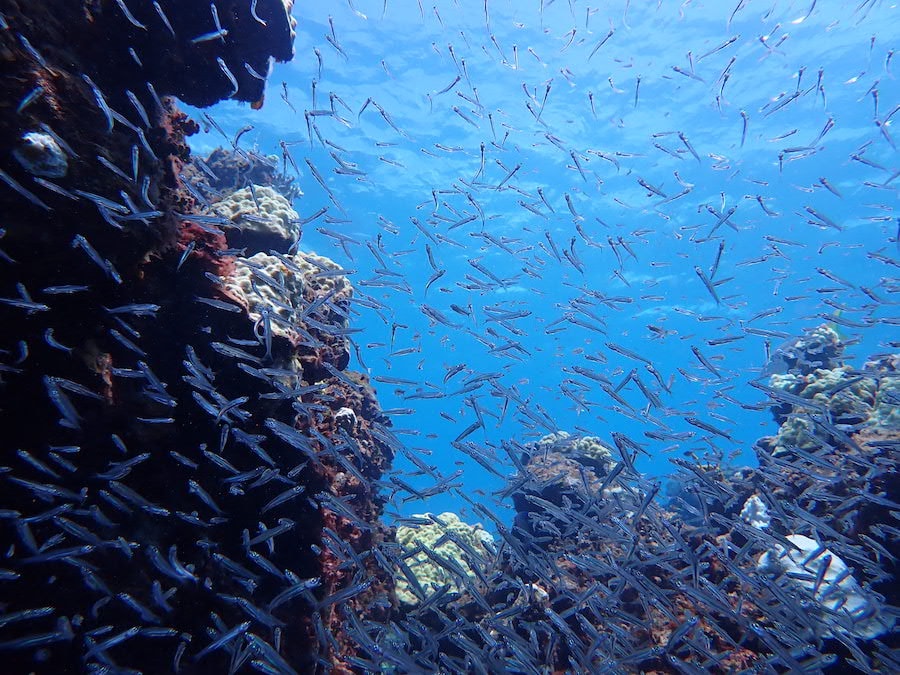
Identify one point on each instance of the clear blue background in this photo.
(399, 55)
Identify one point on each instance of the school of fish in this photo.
(203, 467)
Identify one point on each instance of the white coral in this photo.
(345, 419)
(755, 513)
(262, 210)
(40, 155)
(822, 576)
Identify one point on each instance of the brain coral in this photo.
(589, 450)
(440, 540)
(264, 222)
(287, 288)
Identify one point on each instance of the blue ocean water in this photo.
(624, 146)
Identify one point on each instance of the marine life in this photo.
(504, 376)
(40, 155)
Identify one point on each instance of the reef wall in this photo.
(178, 459)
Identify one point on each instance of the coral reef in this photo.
(440, 556)
(595, 575)
(796, 432)
(183, 51)
(588, 450)
(848, 395)
(193, 480)
(853, 398)
(224, 171)
(176, 496)
(303, 298)
(819, 348)
(262, 219)
(886, 409)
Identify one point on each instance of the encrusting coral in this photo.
(852, 397)
(886, 409)
(226, 170)
(819, 348)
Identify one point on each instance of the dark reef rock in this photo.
(188, 50)
(180, 486)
